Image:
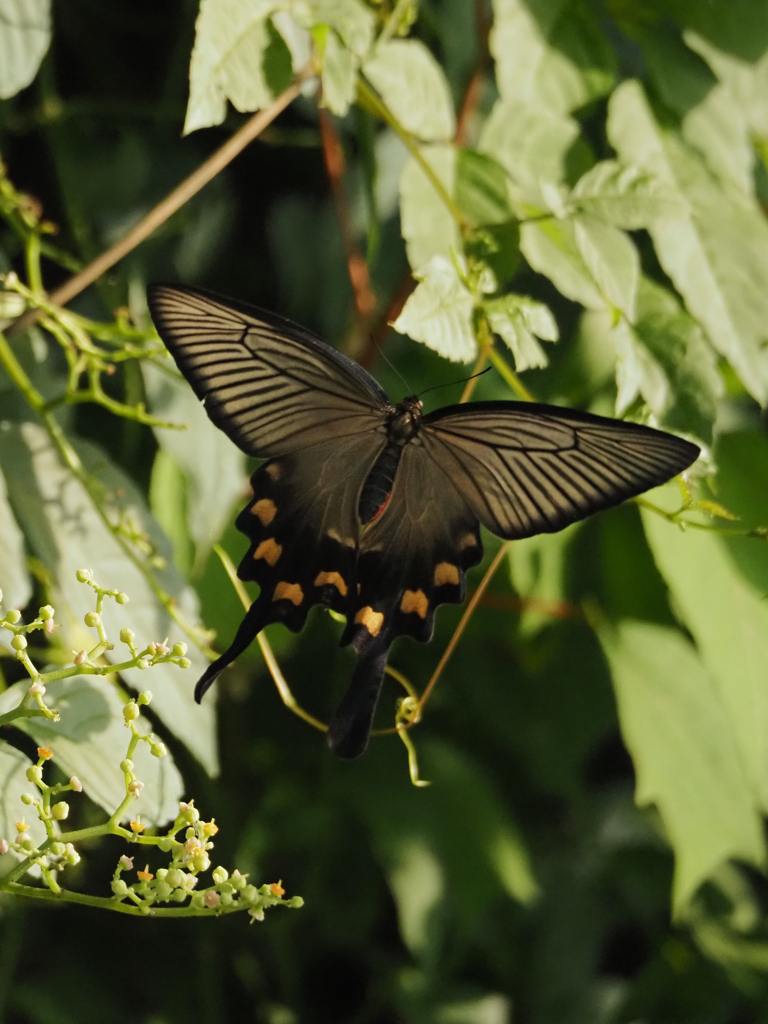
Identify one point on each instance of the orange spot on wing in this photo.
(469, 540)
(269, 550)
(415, 601)
(446, 573)
(264, 510)
(289, 592)
(372, 620)
(333, 578)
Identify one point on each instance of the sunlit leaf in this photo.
(413, 86)
(65, 532)
(339, 74)
(14, 577)
(624, 196)
(550, 247)
(481, 189)
(13, 783)
(426, 223)
(529, 140)
(519, 320)
(91, 739)
(439, 312)
(612, 260)
(687, 760)
(25, 33)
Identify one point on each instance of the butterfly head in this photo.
(405, 419)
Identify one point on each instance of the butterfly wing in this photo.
(270, 385)
(281, 393)
(525, 468)
(412, 558)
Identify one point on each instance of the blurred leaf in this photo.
(168, 504)
(529, 140)
(426, 223)
(550, 52)
(25, 34)
(612, 260)
(352, 20)
(64, 531)
(742, 485)
(91, 739)
(14, 577)
(339, 74)
(413, 86)
(519, 320)
(624, 196)
(717, 256)
(231, 39)
(439, 312)
(13, 768)
(537, 568)
(550, 247)
(481, 189)
(213, 466)
(745, 80)
(728, 619)
(686, 760)
(498, 246)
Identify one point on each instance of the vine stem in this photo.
(172, 202)
(107, 903)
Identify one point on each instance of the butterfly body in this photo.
(374, 509)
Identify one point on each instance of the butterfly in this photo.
(374, 509)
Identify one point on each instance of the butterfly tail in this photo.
(256, 618)
(351, 724)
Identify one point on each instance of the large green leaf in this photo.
(65, 532)
(550, 52)
(686, 756)
(13, 783)
(624, 196)
(14, 578)
(91, 739)
(425, 221)
(413, 86)
(612, 260)
(550, 247)
(213, 465)
(717, 255)
(728, 619)
(745, 80)
(529, 140)
(742, 485)
(339, 77)
(25, 34)
(519, 321)
(439, 312)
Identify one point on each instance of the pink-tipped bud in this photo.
(76, 784)
(212, 899)
(80, 658)
(48, 625)
(37, 689)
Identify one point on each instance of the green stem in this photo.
(509, 375)
(369, 99)
(676, 517)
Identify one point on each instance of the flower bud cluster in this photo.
(190, 856)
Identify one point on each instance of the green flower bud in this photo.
(84, 575)
(220, 875)
(175, 877)
(27, 844)
(27, 799)
(60, 811)
(179, 895)
(189, 813)
(237, 880)
(126, 766)
(227, 899)
(158, 749)
(201, 862)
(35, 773)
(119, 887)
(19, 643)
(13, 616)
(163, 891)
(131, 711)
(295, 902)
(59, 849)
(122, 598)
(249, 894)
(144, 697)
(166, 844)
(256, 913)
(127, 635)
(46, 612)
(92, 619)
(184, 663)
(179, 650)
(143, 663)
(198, 901)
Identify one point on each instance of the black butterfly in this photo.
(374, 510)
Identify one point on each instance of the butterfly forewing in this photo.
(525, 469)
(268, 384)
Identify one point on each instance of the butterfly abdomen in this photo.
(378, 487)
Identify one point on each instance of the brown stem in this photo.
(333, 152)
(172, 202)
(474, 92)
(382, 327)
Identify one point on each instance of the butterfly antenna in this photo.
(390, 364)
(453, 382)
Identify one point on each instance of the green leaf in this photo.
(612, 260)
(65, 532)
(168, 503)
(550, 247)
(481, 189)
(685, 756)
(529, 140)
(413, 86)
(439, 312)
(25, 34)
(746, 80)
(14, 577)
(498, 246)
(742, 484)
(728, 619)
(717, 255)
(519, 320)
(212, 465)
(426, 223)
(550, 52)
(91, 739)
(339, 77)
(352, 20)
(624, 196)
(538, 568)
(13, 769)
(231, 39)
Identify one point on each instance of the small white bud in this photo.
(76, 784)
(60, 811)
